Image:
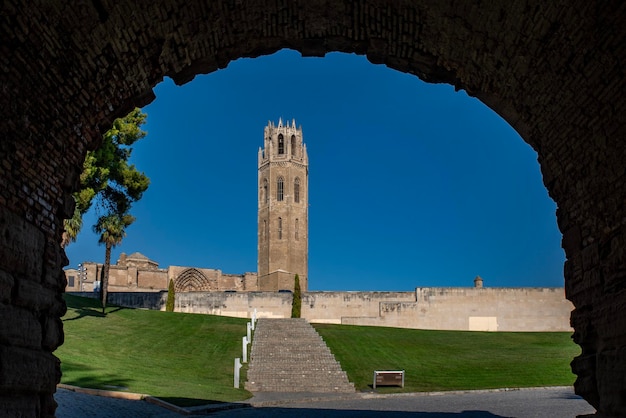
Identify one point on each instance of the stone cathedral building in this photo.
(282, 251)
(283, 208)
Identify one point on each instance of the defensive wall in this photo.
(436, 308)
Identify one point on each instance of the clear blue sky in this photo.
(410, 184)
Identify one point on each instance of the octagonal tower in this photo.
(283, 221)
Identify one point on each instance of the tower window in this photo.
(266, 196)
(296, 228)
(280, 228)
(281, 144)
(293, 145)
(296, 190)
(280, 191)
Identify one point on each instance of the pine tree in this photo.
(108, 178)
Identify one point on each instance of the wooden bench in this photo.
(388, 378)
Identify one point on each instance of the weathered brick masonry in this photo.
(553, 70)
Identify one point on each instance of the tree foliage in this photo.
(171, 297)
(71, 227)
(107, 177)
(296, 302)
(114, 184)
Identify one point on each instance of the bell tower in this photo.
(283, 227)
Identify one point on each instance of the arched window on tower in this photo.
(281, 144)
(280, 189)
(296, 228)
(266, 196)
(296, 190)
(293, 145)
(280, 228)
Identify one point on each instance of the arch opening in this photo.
(427, 175)
(193, 280)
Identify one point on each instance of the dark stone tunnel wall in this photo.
(553, 70)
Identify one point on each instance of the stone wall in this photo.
(267, 304)
(334, 307)
(508, 309)
(146, 279)
(140, 300)
(553, 70)
(463, 309)
(149, 278)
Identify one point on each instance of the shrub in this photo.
(296, 302)
(171, 297)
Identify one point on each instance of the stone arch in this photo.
(555, 73)
(193, 280)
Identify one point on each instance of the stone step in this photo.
(288, 355)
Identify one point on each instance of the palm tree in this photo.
(71, 227)
(112, 230)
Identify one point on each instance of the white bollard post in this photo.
(253, 318)
(244, 349)
(248, 326)
(237, 367)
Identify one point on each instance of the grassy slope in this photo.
(164, 354)
(188, 359)
(448, 360)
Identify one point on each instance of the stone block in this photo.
(38, 298)
(6, 286)
(22, 245)
(24, 370)
(19, 327)
(53, 335)
(20, 405)
(611, 378)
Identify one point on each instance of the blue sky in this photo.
(410, 184)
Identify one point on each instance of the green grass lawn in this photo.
(450, 360)
(185, 359)
(188, 359)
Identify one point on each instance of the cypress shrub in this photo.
(296, 303)
(171, 297)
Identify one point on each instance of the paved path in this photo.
(80, 405)
(526, 403)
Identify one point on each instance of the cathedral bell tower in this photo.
(283, 229)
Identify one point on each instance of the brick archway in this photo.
(554, 72)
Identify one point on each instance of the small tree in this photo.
(296, 303)
(171, 297)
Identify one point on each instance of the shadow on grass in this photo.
(83, 312)
(92, 378)
(84, 307)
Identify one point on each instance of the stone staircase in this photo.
(288, 355)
